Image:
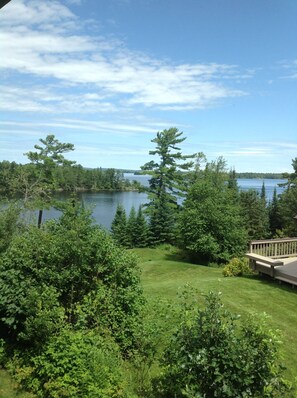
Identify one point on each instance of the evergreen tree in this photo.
(232, 180)
(137, 229)
(288, 203)
(165, 184)
(119, 227)
(48, 157)
(263, 194)
(132, 227)
(255, 214)
(142, 234)
(275, 221)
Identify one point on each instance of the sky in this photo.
(107, 75)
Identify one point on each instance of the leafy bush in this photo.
(237, 267)
(73, 364)
(51, 272)
(211, 227)
(9, 224)
(212, 354)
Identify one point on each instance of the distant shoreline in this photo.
(249, 175)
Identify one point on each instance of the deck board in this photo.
(287, 272)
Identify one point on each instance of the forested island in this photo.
(16, 178)
(87, 313)
(249, 175)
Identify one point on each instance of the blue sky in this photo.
(106, 75)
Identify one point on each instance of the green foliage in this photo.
(73, 364)
(287, 204)
(255, 214)
(151, 336)
(237, 267)
(119, 228)
(166, 184)
(137, 229)
(46, 272)
(48, 157)
(288, 210)
(132, 227)
(141, 231)
(213, 354)
(275, 218)
(18, 180)
(210, 226)
(249, 175)
(9, 224)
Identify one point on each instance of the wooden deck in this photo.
(276, 258)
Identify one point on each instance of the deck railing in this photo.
(275, 248)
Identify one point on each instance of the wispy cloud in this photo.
(102, 126)
(51, 100)
(291, 69)
(45, 39)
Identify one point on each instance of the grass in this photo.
(164, 274)
(8, 389)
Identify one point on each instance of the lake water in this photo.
(104, 204)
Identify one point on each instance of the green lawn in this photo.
(163, 276)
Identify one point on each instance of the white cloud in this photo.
(19, 12)
(291, 68)
(41, 39)
(105, 127)
(47, 100)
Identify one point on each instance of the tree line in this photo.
(274, 176)
(66, 176)
(197, 205)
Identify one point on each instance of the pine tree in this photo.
(132, 227)
(165, 184)
(288, 203)
(119, 227)
(275, 223)
(142, 234)
(232, 180)
(263, 194)
(255, 214)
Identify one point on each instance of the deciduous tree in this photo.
(211, 227)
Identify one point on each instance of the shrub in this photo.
(48, 273)
(73, 364)
(213, 354)
(9, 224)
(237, 267)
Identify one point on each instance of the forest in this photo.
(17, 179)
(76, 315)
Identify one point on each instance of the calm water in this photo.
(104, 204)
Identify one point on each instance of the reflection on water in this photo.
(104, 204)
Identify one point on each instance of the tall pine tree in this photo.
(165, 184)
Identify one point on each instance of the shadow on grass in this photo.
(280, 285)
